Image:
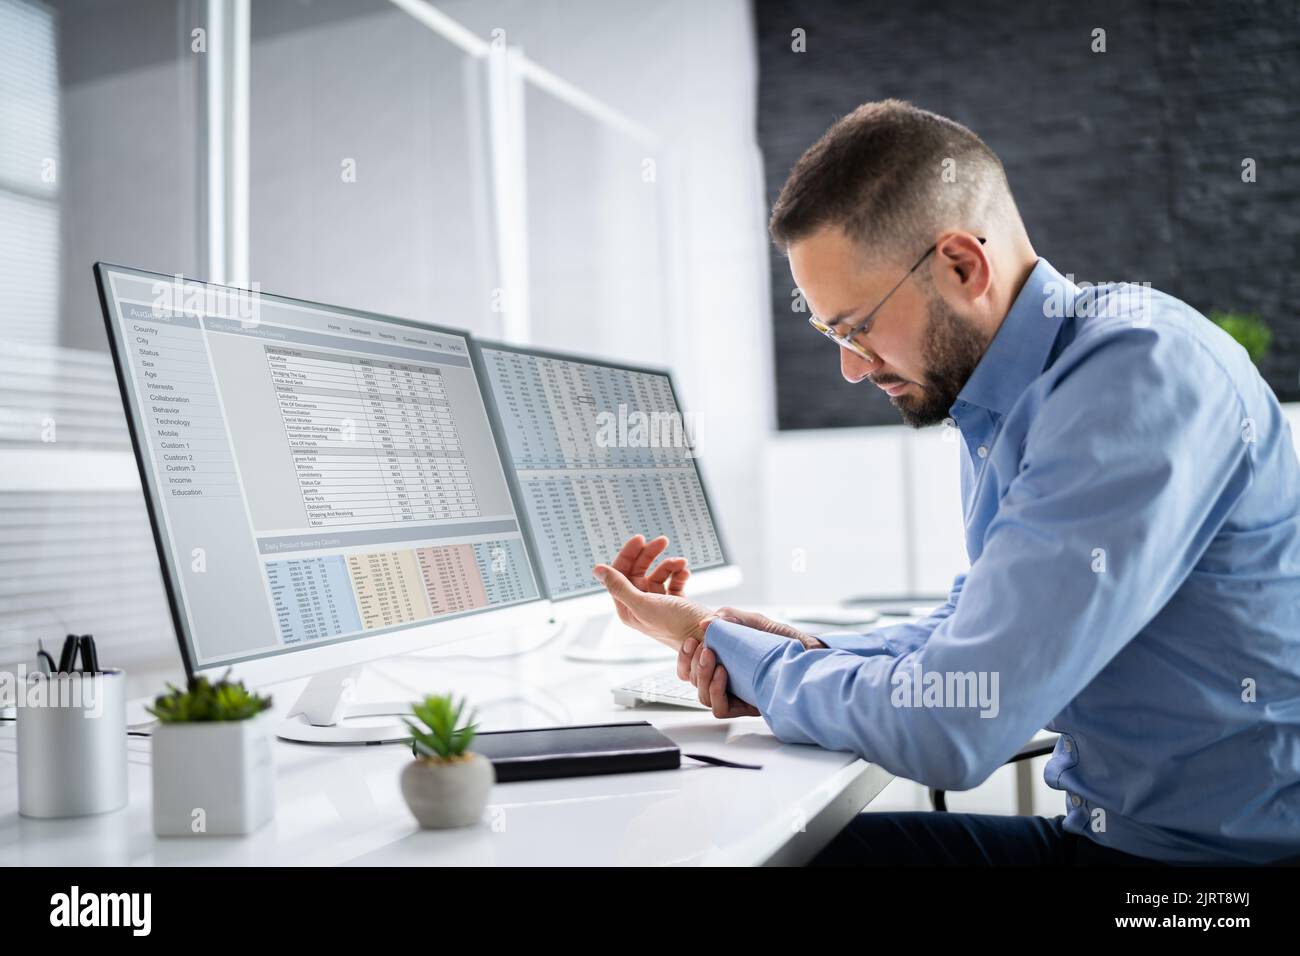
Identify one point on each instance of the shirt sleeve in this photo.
(896, 639)
(1131, 465)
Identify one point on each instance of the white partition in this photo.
(833, 519)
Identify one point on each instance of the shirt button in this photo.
(1069, 746)
(982, 451)
(1074, 799)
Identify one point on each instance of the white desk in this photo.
(343, 805)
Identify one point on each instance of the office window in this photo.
(597, 261)
(97, 161)
(29, 154)
(369, 171)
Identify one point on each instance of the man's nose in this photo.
(854, 367)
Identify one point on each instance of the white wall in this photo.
(893, 526)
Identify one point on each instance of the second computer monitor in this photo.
(599, 452)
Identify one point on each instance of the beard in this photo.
(951, 349)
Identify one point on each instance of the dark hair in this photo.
(892, 176)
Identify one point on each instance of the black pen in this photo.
(68, 654)
(89, 659)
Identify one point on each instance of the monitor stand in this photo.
(607, 640)
(318, 715)
(321, 712)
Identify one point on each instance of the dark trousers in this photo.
(965, 839)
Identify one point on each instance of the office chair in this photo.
(1024, 782)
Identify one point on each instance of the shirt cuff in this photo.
(741, 650)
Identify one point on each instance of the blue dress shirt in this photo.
(1131, 494)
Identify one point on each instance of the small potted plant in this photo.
(445, 785)
(212, 771)
(1251, 332)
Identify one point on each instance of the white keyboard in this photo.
(661, 687)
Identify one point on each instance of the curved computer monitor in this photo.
(599, 451)
(324, 484)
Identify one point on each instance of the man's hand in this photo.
(665, 617)
(760, 622)
(635, 558)
(698, 664)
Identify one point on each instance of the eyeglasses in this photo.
(848, 340)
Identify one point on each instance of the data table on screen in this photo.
(372, 441)
(600, 452)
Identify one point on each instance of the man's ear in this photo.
(963, 265)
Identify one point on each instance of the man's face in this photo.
(925, 350)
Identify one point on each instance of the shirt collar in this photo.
(1020, 349)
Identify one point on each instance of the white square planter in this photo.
(212, 779)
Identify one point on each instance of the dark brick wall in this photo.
(1126, 164)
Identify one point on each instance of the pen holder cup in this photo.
(72, 744)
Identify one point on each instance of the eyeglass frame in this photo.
(847, 340)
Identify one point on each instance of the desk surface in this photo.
(340, 805)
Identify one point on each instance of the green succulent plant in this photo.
(1251, 332)
(443, 736)
(206, 702)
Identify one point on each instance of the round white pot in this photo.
(451, 794)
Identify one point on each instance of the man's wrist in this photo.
(697, 632)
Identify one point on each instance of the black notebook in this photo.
(577, 751)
